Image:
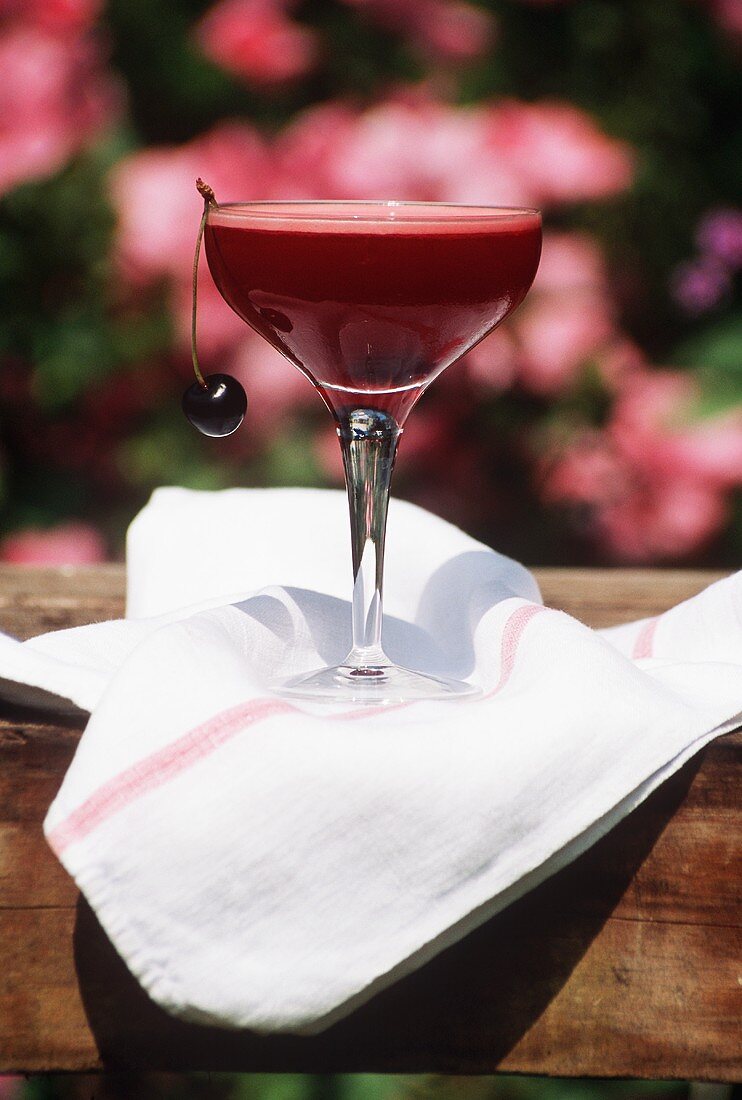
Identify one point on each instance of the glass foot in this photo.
(379, 685)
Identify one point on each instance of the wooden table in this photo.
(626, 963)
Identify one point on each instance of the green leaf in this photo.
(715, 356)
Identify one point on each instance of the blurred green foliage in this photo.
(341, 1087)
(660, 74)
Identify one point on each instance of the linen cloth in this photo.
(271, 864)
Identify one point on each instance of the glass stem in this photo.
(368, 439)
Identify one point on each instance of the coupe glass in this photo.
(371, 301)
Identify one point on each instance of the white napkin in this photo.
(271, 864)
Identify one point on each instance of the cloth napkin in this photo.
(271, 864)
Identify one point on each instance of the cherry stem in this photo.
(209, 200)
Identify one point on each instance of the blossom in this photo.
(305, 153)
(58, 16)
(67, 544)
(661, 520)
(456, 31)
(700, 285)
(275, 387)
(218, 328)
(428, 442)
(567, 318)
(256, 41)
(632, 511)
(654, 423)
(570, 261)
(719, 235)
(412, 146)
(55, 97)
(585, 471)
(558, 152)
(327, 453)
(404, 148)
(153, 192)
(558, 334)
(728, 14)
(447, 29)
(654, 482)
(492, 364)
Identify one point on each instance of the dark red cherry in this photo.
(218, 408)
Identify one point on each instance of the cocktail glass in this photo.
(371, 301)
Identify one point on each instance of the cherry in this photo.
(216, 408)
(216, 404)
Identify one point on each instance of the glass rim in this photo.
(370, 210)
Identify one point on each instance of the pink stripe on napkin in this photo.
(155, 770)
(169, 762)
(644, 644)
(511, 637)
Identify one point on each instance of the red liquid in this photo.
(372, 309)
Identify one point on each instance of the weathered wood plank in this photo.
(35, 600)
(624, 964)
(605, 597)
(557, 984)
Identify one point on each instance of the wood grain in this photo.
(627, 963)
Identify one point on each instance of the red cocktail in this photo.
(371, 301)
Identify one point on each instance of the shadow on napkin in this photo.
(462, 1012)
(440, 641)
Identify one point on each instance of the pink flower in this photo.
(567, 318)
(428, 440)
(447, 29)
(305, 153)
(570, 261)
(408, 147)
(558, 152)
(661, 520)
(274, 386)
(653, 423)
(618, 360)
(68, 544)
(412, 146)
(456, 31)
(154, 194)
(327, 453)
(11, 1087)
(654, 481)
(633, 511)
(728, 13)
(492, 364)
(587, 471)
(254, 40)
(218, 328)
(719, 235)
(54, 98)
(700, 285)
(398, 149)
(651, 406)
(558, 334)
(711, 450)
(57, 16)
